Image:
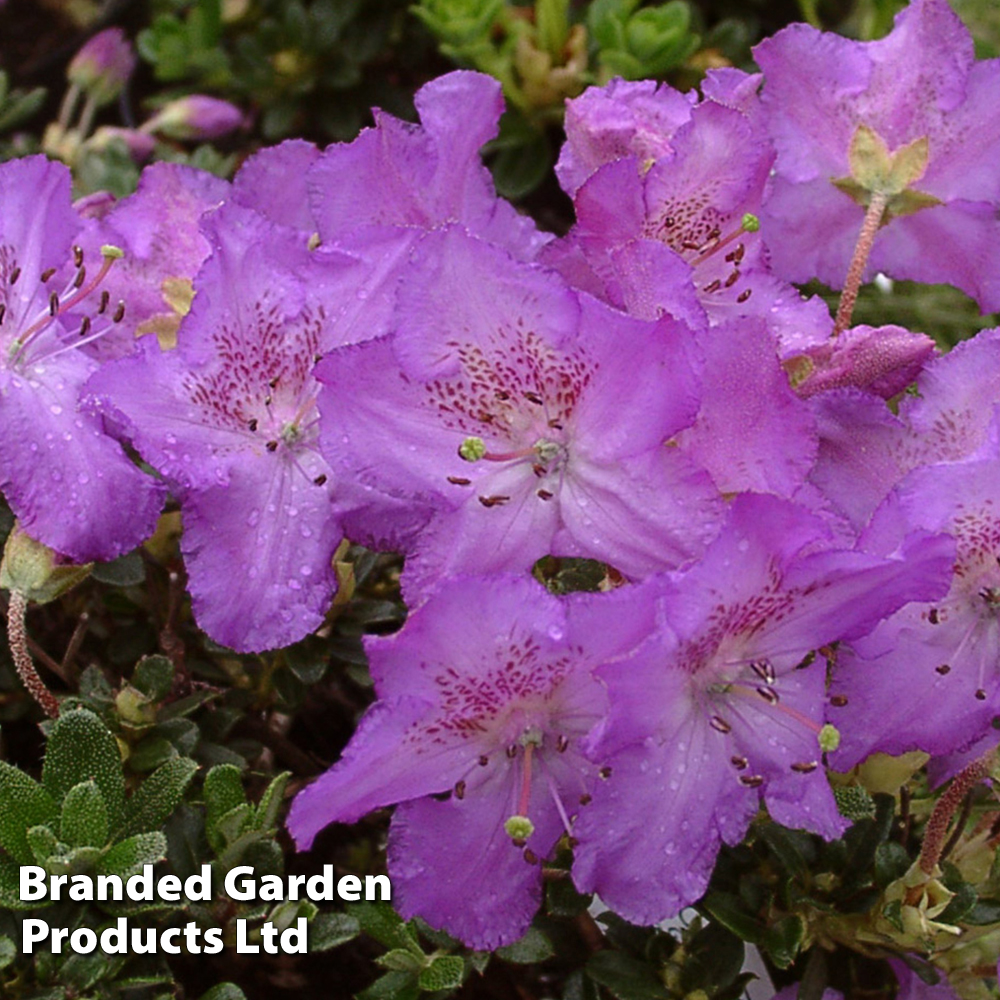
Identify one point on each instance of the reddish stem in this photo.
(862, 250)
(17, 637)
(936, 831)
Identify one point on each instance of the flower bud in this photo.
(195, 117)
(103, 65)
(140, 146)
(34, 570)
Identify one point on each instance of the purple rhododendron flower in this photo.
(532, 418)
(396, 180)
(492, 707)
(920, 83)
(865, 449)
(929, 677)
(721, 707)
(71, 486)
(229, 419)
(665, 223)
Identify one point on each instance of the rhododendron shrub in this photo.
(790, 522)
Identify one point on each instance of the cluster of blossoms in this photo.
(366, 342)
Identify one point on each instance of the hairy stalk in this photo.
(17, 637)
(936, 831)
(862, 250)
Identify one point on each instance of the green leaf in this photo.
(328, 930)
(533, 947)
(783, 940)
(125, 571)
(128, 856)
(266, 813)
(10, 885)
(400, 960)
(792, 849)
(392, 986)
(986, 911)
(891, 862)
(518, 170)
(154, 677)
(715, 957)
(151, 753)
(223, 792)
(224, 991)
(82, 748)
(380, 921)
(445, 972)
(627, 978)
(84, 819)
(25, 804)
(43, 844)
(961, 904)
(8, 951)
(729, 912)
(157, 797)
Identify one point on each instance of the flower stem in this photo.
(17, 637)
(937, 826)
(852, 284)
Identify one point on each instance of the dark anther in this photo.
(838, 700)
(459, 789)
(764, 670)
(54, 304)
(267, 400)
(805, 766)
(543, 495)
(459, 481)
(47, 273)
(751, 780)
(271, 446)
(770, 696)
(743, 296)
(585, 800)
(77, 256)
(320, 479)
(105, 299)
(3, 311)
(494, 501)
(533, 397)
(689, 245)
(539, 470)
(712, 286)
(670, 222)
(605, 772)
(561, 743)
(933, 617)
(483, 760)
(85, 326)
(714, 234)
(501, 395)
(274, 382)
(740, 763)
(317, 358)
(555, 424)
(79, 277)
(252, 424)
(511, 751)
(943, 669)
(720, 725)
(980, 695)
(530, 856)
(119, 313)
(14, 275)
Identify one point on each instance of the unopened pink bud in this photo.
(195, 117)
(883, 360)
(103, 65)
(139, 144)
